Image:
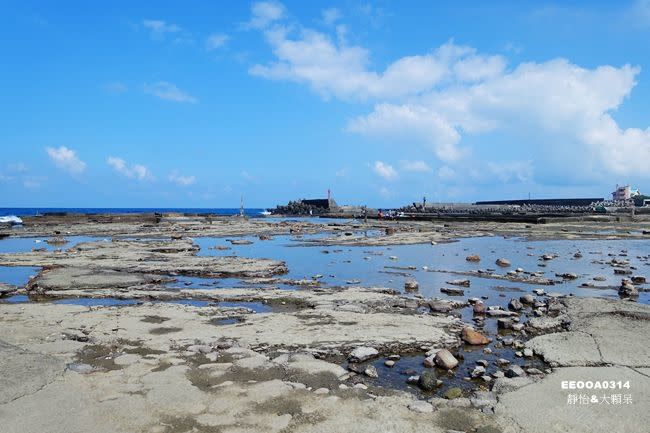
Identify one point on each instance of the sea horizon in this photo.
(32, 211)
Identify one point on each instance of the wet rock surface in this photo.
(314, 358)
(591, 336)
(147, 257)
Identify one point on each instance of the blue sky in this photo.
(195, 103)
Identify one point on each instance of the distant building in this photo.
(622, 193)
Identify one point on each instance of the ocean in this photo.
(31, 211)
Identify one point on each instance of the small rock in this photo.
(453, 291)
(441, 305)
(627, 289)
(515, 371)
(445, 359)
(453, 393)
(482, 362)
(497, 312)
(470, 336)
(479, 370)
(479, 308)
(503, 262)
(462, 282)
(528, 352)
(371, 371)
(361, 354)
(638, 279)
(473, 258)
(527, 299)
(411, 286)
(413, 379)
(389, 363)
(428, 381)
(504, 323)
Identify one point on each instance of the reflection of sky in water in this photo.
(17, 275)
(22, 245)
(369, 264)
(15, 299)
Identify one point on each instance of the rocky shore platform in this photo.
(312, 359)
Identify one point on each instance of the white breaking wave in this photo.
(12, 219)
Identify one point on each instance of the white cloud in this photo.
(181, 180)
(446, 173)
(415, 166)
(168, 91)
(385, 170)
(407, 122)
(331, 15)
(335, 68)
(133, 171)
(215, 41)
(265, 13)
(641, 11)
(437, 99)
(159, 28)
(66, 159)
